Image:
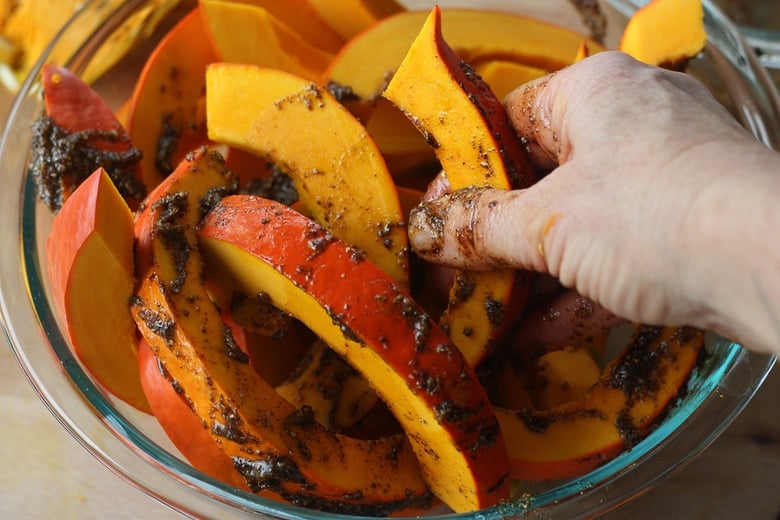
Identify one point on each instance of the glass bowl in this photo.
(133, 445)
(759, 21)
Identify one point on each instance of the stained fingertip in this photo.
(425, 228)
(529, 108)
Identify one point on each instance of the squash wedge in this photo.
(379, 329)
(469, 130)
(93, 233)
(351, 17)
(301, 17)
(165, 117)
(337, 169)
(666, 33)
(245, 33)
(571, 439)
(275, 447)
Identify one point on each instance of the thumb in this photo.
(484, 228)
(481, 228)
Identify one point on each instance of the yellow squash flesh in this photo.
(275, 446)
(370, 321)
(243, 33)
(470, 133)
(337, 169)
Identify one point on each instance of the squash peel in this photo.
(274, 446)
(381, 331)
(467, 126)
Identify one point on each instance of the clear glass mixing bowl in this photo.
(133, 445)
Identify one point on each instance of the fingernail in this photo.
(426, 226)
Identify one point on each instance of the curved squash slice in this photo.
(476, 145)
(368, 61)
(666, 33)
(614, 415)
(273, 445)
(244, 33)
(165, 117)
(337, 169)
(368, 319)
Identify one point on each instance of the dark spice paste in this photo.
(166, 146)
(277, 186)
(60, 160)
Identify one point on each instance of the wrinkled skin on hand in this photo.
(658, 205)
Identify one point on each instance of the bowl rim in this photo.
(162, 475)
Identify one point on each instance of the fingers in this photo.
(608, 97)
(548, 112)
(481, 228)
(530, 111)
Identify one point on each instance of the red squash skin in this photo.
(180, 423)
(80, 223)
(168, 98)
(416, 349)
(75, 107)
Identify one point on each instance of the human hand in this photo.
(652, 199)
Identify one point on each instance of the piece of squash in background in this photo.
(244, 33)
(563, 376)
(337, 169)
(617, 412)
(32, 24)
(667, 33)
(82, 123)
(504, 76)
(367, 62)
(89, 258)
(469, 130)
(272, 444)
(370, 321)
(301, 17)
(351, 17)
(338, 395)
(165, 117)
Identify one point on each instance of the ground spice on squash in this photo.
(60, 160)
